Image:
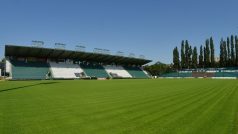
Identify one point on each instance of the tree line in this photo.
(158, 69)
(187, 57)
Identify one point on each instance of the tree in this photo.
(225, 54)
(182, 55)
(176, 58)
(207, 54)
(158, 69)
(204, 57)
(233, 61)
(186, 54)
(190, 52)
(236, 44)
(222, 58)
(201, 57)
(195, 58)
(212, 53)
(228, 52)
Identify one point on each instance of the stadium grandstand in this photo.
(1, 68)
(30, 62)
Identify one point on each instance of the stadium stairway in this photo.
(29, 70)
(136, 72)
(94, 70)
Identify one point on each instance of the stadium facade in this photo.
(25, 62)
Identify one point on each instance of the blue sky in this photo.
(149, 27)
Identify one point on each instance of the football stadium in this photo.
(50, 90)
(83, 72)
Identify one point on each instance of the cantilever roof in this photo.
(26, 51)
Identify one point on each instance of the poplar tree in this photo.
(204, 57)
(201, 57)
(195, 58)
(190, 52)
(225, 54)
(233, 61)
(207, 54)
(182, 55)
(222, 54)
(228, 52)
(186, 54)
(236, 44)
(212, 53)
(176, 58)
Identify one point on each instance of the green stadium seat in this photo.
(136, 72)
(29, 70)
(94, 70)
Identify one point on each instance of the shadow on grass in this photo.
(32, 85)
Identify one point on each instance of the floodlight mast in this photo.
(60, 46)
(120, 53)
(132, 55)
(80, 48)
(106, 51)
(97, 50)
(36, 43)
(142, 57)
(101, 51)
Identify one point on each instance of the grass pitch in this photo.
(163, 106)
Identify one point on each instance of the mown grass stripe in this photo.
(168, 116)
(119, 106)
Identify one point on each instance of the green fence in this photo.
(226, 74)
(176, 74)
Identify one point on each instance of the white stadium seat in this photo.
(118, 70)
(65, 70)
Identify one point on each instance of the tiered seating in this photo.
(226, 74)
(231, 74)
(94, 70)
(189, 74)
(117, 71)
(65, 70)
(172, 74)
(219, 74)
(176, 74)
(29, 70)
(231, 68)
(136, 72)
(204, 73)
